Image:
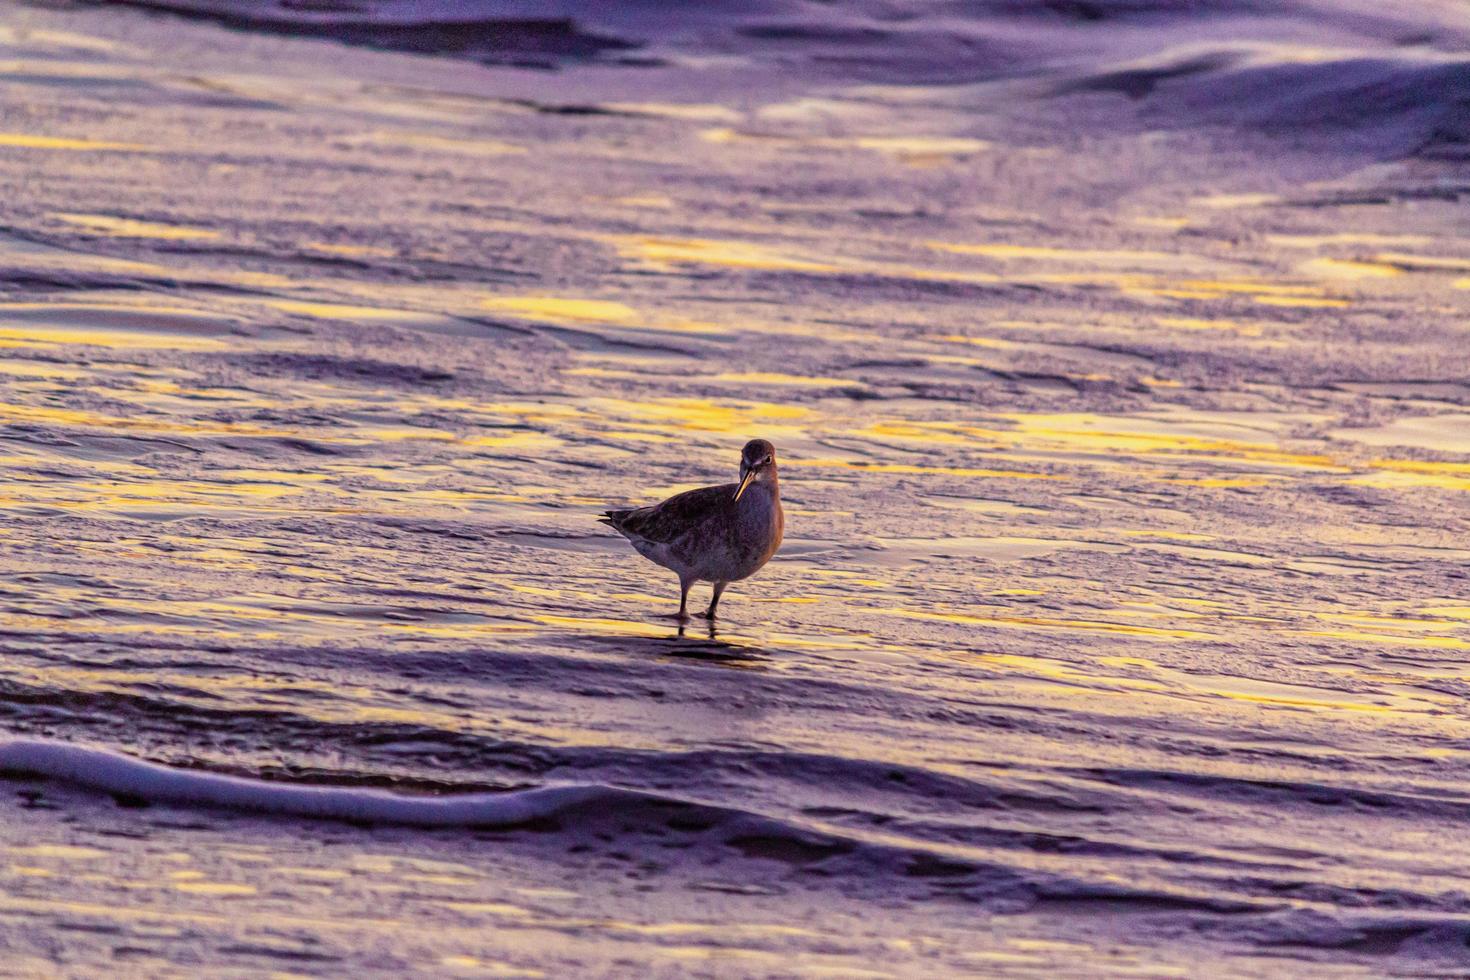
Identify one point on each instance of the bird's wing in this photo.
(668, 520)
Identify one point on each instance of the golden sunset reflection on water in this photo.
(1121, 616)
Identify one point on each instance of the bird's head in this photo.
(757, 463)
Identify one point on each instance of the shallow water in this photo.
(1122, 616)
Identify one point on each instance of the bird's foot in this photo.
(709, 614)
(679, 617)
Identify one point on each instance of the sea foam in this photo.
(121, 775)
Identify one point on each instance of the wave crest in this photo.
(127, 777)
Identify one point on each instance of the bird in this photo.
(714, 534)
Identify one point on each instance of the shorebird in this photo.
(713, 534)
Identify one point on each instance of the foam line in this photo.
(111, 772)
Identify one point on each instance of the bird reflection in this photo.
(704, 643)
(684, 630)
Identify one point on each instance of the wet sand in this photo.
(1122, 402)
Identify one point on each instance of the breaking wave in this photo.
(147, 782)
(1409, 100)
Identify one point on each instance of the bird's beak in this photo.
(745, 479)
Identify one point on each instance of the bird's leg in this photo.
(683, 614)
(684, 585)
(714, 599)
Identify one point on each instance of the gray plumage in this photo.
(714, 534)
